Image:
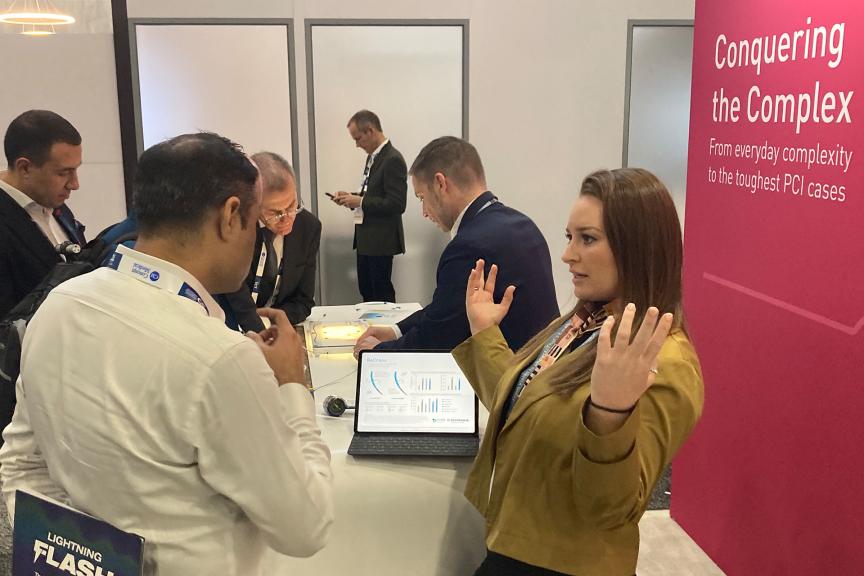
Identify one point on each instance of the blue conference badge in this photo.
(188, 292)
(114, 260)
(52, 540)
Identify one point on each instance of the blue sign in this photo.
(50, 539)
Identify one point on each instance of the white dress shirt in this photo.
(458, 222)
(278, 252)
(370, 161)
(379, 148)
(42, 216)
(138, 406)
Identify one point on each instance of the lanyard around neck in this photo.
(260, 268)
(364, 185)
(128, 265)
(588, 318)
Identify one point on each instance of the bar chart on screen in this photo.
(427, 406)
(438, 382)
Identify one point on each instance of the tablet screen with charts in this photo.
(413, 391)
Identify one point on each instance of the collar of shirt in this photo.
(377, 150)
(22, 199)
(210, 306)
(42, 216)
(455, 229)
(375, 153)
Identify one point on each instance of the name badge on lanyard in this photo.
(364, 184)
(261, 267)
(357, 213)
(259, 271)
(164, 280)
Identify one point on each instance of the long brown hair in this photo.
(644, 234)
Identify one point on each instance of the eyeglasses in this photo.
(280, 215)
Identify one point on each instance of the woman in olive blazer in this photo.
(586, 416)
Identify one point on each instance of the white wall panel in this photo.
(72, 75)
(232, 79)
(659, 120)
(411, 76)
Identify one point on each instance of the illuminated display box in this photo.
(334, 336)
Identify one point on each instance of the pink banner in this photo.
(771, 482)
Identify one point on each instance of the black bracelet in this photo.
(612, 410)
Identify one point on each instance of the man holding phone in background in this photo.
(377, 208)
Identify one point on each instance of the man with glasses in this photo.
(284, 261)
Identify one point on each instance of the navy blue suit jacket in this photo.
(502, 236)
(26, 255)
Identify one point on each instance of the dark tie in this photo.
(268, 281)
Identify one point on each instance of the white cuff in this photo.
(296, 400)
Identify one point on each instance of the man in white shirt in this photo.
(136, 404)
(43, 153)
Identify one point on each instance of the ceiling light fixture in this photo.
(34, 12)
(34, 30)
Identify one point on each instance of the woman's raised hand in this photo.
(480, 304)
(623, 372)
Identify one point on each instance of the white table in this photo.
(394, 516)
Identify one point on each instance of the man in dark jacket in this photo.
(285, 258)
(43, 153)
(378, 207)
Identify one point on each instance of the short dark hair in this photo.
(364, 119)
(454, 157)
(180, 180)
(32, 134)
(275, 171)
